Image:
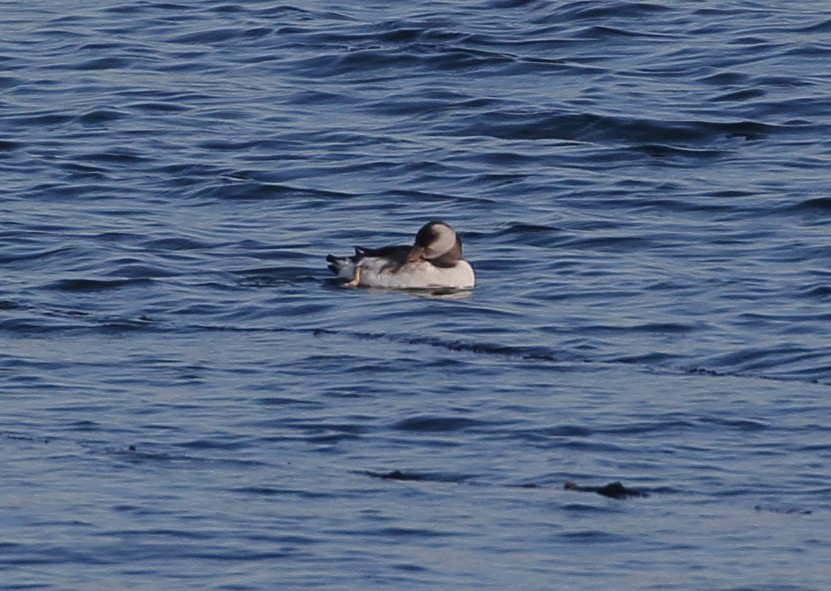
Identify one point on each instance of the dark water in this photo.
(188, 403)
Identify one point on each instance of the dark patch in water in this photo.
(407, 476)
(87, 285)
(434, 424)
(815, 204)
(397, 475)
(782, 510)
(613, 490)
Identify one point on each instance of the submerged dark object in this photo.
(614, 490)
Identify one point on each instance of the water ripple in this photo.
(640, 186)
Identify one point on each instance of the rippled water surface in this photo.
(189, 402)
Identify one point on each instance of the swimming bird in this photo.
(434, 260)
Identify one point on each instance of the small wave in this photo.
(10, 81)
(644, 327)
(723, 79)
(271, 276)
(633, 427)
(270, 491)
(814, 204)
(212, 36)
(664, 151)
(87, 285)
(740, 95)
(594, 537)
(44, 118)
(525, 228)
(574, 11)
(600, 32)
(135, 270)
(435, 423)
(104, 63)
(117, 156)
(261, 191)
(175, 244)
(537, 235)
(542, 355)
(615, 243)
(737, 424)
(36, 255)
(782, 509)
(101, 116)
(158, 107)
(410, 476)
(819, 291)
(586, 126)
(823, 26)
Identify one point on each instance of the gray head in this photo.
(437, 243)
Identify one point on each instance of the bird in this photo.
(434, 260)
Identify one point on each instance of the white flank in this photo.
(420, 275)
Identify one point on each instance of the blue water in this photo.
(189, 402)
